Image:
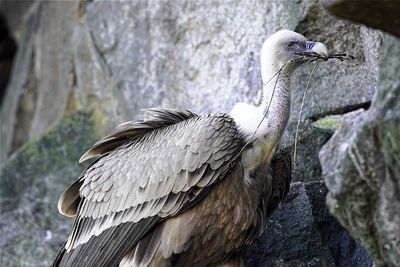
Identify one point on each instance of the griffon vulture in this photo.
(180, 189)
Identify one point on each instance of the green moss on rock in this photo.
(361, 169)
(31, 182)
(329, 122)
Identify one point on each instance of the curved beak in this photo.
(317, 47)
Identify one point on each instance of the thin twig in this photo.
(312, 56)
(298, 120)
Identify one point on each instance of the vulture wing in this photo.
(149, 171)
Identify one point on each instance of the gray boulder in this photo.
(382, 15)
(362, 169)
(303, 233)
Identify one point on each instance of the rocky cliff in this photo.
(361, 162)
(83, 67)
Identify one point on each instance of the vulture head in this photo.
(287, 49)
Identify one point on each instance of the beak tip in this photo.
(320, 49)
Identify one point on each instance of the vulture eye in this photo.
(291, 44)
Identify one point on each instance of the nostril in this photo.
(310, 45)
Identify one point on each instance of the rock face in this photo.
(303, 233)
(361, 162)
(82, 67)
(114, 59)
(362, 170)
(31, 182)
(380, 15)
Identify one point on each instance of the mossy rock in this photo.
(31, 182)
(329, 122)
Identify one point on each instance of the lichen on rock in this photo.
(362, 171)
(31, 182)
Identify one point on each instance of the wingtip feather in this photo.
(88, 155)
(68, 203)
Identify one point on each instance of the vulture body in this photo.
(180, 189)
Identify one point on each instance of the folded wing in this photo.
(147, 172)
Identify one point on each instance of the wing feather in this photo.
(166, 163)
(69, 200)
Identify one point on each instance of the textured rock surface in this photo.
(109, 60)
(303, 233)
(362, 170)
(31, 181)
(361, 162)
(118, 58)
(382, 15)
